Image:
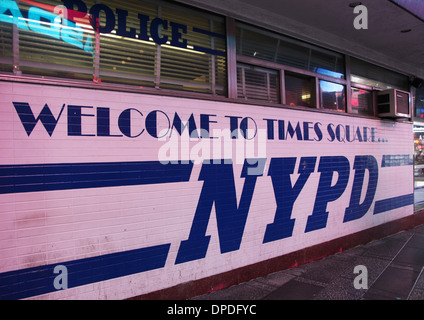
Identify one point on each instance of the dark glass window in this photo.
(293, 55)
(300, 90)
(375, 76)
(268, 46)
(330, 64)
(254, 44)
(419, 103)
(362, 101)
(332, 96)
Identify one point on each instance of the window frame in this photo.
(283, 68)
(312, 80)
(267, 72)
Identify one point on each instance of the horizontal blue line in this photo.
(397, 160)
(393, 203)
(24, 283)
(209, 33)
(48, 177)
(210, 51)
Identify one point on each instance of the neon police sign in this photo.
(76, 27)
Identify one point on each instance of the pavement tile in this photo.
(420, 281)
(340, 289)
(417, 241)
(277, 279)
(238, 292)
(295, 290)
(386, 248)
(417, 294)
(419, 229)
(411, 257)
(394, 282)
(395, 269)
(375, 266)
(325, 270)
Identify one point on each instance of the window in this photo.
(256, 83)
(129, 59)
(332, 96)
(300, 90)
(262, 57)
(362, 101)
(200, 67)
(419, 103)
(418, 166)
(327, 63)
(284, 50)
(140, 43)
(293, 55)
(374, 76)
(52, 45)
(254, 44)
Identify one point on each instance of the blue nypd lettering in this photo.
(288, 177)
(218, 189)
(285, 193)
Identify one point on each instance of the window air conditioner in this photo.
(393, 103)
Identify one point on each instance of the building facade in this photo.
(162, 149)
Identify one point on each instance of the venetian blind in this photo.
(141, 43)
(52, 45)
(254, 83)
(6, 46)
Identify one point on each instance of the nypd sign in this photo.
(146, 192)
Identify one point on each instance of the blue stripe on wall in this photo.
(48, 177)
(30, 282)
(397, 160)
(393, 203)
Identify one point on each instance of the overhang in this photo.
(394, 37)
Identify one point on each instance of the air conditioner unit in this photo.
(393, 103)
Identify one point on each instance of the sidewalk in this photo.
(394, 265)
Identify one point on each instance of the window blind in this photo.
(254, 83)
(42, 49)
(201, 65)
(6, 46)
(141, 43)
(125, 59)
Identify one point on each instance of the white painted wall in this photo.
(54, 227)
